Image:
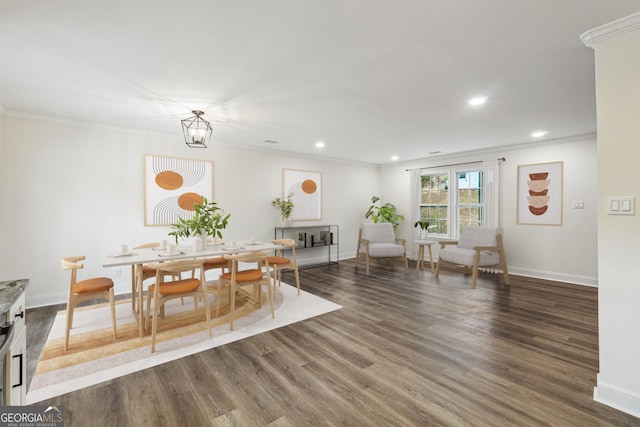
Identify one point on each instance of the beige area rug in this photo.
(94, 356)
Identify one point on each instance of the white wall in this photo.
(618, 108)
(71, 189)
(567, 252)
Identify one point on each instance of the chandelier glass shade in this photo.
(197, 131)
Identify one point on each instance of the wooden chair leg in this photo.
(134, 288)
(146, 319)
(505, 272)
(113, 312)
(437, 268)
(232, 291)
(476, 267)
(271, 294)
(297, 279)
(69, 324)
(430, 257)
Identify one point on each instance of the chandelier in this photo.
(197, 131)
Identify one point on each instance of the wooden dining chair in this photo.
(280, 263)
(84, 290)
(236, 279)
(160, 292)
(147, 273)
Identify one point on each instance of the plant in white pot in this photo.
(423, 227)
(209, 219)
(285, 206)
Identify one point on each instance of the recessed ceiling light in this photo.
(478, 100)
(539, 133)
(394, 157)
(319, 144)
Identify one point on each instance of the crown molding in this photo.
(612, 29)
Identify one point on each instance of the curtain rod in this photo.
(452, 164)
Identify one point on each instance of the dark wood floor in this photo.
(405, 350)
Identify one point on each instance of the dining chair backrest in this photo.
(85, 290)
(253, 276)
(280, 262)
(161, 291)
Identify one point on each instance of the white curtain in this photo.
(491, 187)
(416, 192)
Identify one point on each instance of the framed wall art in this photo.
(172, 186)
(306, 187)
(540, 194)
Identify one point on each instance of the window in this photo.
(434, 202)
(469, 199)
(450, 208)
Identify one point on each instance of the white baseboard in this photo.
(616, 397)
(558, 277)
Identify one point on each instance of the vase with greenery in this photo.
(285, 206)
(209, 219)
(423, 226)
(387, 212)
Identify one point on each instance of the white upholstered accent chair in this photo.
(477, 247)
(378, 240)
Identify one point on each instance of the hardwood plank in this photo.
(406, 349)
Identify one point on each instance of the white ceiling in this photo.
(370, 78)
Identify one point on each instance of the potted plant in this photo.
(285, 206)
(387, 212)
(208, 220)
(423, 225)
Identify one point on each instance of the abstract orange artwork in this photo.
(540, 194)
(173, 186)
(306, 187)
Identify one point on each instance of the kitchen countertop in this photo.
(10, 290)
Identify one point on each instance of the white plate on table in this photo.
(255, 242)
(232, 248)
(171, 254)
(215, 243)
(118, 255)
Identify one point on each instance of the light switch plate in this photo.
(621, 205)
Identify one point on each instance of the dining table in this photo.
(140, 257)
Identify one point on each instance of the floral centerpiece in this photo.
(209, 219)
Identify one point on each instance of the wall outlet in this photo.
(578, 205)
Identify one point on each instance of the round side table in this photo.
(420, 261)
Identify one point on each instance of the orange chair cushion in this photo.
(148, 272)
(215, 262)
(245, 276)
(178, 287)
(276, 260)
(97, 284)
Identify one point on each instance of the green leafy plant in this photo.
(208, 217)
(386, 212)
(424, 225)
(285, 206)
